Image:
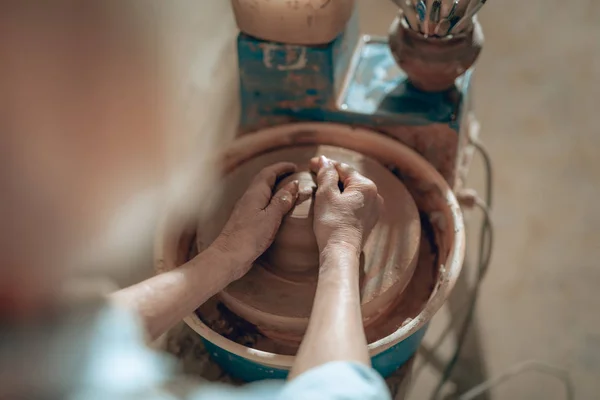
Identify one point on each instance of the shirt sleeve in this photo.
(121, 366)
(333, 381)
(337, 380)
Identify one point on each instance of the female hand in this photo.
(256, 217)
(343, 214)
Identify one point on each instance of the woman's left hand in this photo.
(256, 217)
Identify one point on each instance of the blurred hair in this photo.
(101, 101)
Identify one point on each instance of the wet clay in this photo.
(294, 253)
(276, 296)
(410, 303)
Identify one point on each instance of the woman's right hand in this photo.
(347, 205)
(346, 208)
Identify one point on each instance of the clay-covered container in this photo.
(432, 64)
(301, 22)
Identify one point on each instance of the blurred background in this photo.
(536, 88)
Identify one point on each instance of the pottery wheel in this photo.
(278, 292)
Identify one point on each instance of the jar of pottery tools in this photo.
(433, 63)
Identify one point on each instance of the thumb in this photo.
(283, 201)
(327, 175)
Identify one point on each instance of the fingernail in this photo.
(324, 161)
(297, 183)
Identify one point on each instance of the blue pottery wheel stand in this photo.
(195, 361)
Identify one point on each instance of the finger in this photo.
(260, 191)
(314, 164)
(268, 175)
(282, 202)
(351, 177)
(327, 175)
(381, 202)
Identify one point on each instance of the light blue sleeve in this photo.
(333, 381)
(120, 366)
(337, 381)
(266, 390)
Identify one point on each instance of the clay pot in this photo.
(432, 64)
(294, 251)
(432, 196)
(303, 22)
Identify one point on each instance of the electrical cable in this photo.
(485, 246)
(488, 200)
(483, 263)
(487, 161)
(531, 365)
(484, 257)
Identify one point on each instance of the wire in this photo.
(486, 241)
(487, 161)
(483, 260)
(531, 365)
(441, 338)
(484, 257)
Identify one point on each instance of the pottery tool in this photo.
(447, 6)
(428, 26)
(452, 17)
(436, 9)
(442, 28)
(410, 13)
(421, 8)
(472, 10)
(448, 15)
(459, 10)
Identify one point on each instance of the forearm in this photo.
(335, 330)
(165, 299)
